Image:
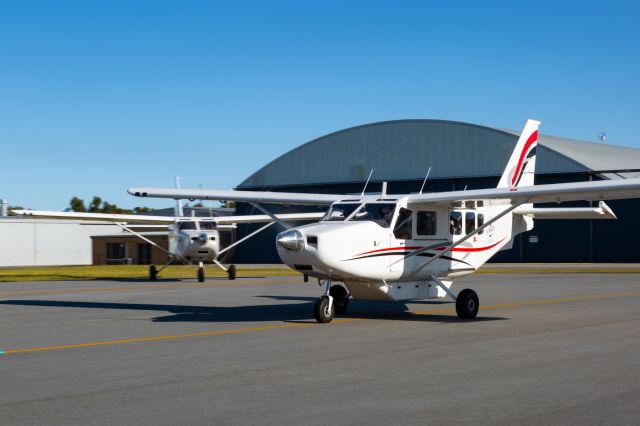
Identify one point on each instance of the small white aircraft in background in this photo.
(412, 246)
(191, 239)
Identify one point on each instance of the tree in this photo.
(76, 205)
(94, 207)
(98, 206)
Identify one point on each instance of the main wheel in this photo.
(340, 298)
(322, 311)
(232, 272)
(153, 273)
(467, 304)
(201, 275)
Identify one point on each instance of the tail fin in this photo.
(521, 167)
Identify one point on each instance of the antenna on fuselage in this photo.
(179, 212)
(425, 180)
(366, 183)
(383, 193)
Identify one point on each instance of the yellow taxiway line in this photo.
(170, 337)
(524, 303)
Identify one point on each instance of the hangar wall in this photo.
(460, 155)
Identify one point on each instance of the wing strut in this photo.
(271, 215)
(143, 238)
(245, 238)
(461, 240)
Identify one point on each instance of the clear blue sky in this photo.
(96, 97)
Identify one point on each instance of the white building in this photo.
(44, 242)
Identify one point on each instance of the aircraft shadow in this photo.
(289, 312)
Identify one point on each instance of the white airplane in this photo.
(191, 239)
(412, 246)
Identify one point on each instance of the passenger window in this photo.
(480, 222)
(455, 223)
(426, 223)
(469, 222)
(402, 230)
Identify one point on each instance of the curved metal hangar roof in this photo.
(403, 149)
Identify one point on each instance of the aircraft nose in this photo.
(291, 240)
(203, 238)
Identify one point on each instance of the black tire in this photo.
(321, 310)
(153, 273)
(467, 304)
(340, 298)
(232, 272)
(201, 275)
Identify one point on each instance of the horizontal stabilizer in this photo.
(603, 211)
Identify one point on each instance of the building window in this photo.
(116, 251)
(144, 253)
(426, 223)
(469, 222)
(402, 230)
(455, 223)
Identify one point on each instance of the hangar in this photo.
(460, 155)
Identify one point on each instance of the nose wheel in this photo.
(323, 310)
(334, 301)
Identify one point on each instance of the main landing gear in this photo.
(154, 271)
(334, 301)
(467, 302)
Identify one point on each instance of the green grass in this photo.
(103, 272)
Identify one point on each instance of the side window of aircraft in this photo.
(186, 225)
(402, 230)
(469, 222)
(339, 212)
(455, 223)
(480, 222)
(426, 223)
(207, 225)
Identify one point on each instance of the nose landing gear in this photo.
(335, 300)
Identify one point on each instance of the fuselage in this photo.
(195, 239)
(381, 249)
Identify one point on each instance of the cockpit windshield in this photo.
(380, 213)
(340, 211)
(186, 225)
(207, 225)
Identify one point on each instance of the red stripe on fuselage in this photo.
(459, 249)
(532, 139)
(472, 249)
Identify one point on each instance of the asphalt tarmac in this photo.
(546, 349)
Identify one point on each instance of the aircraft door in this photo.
(401, 236)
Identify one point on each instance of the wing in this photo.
(221, 220)
(228, 220)
(97, 216)
(558, 193)
(230, 195)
